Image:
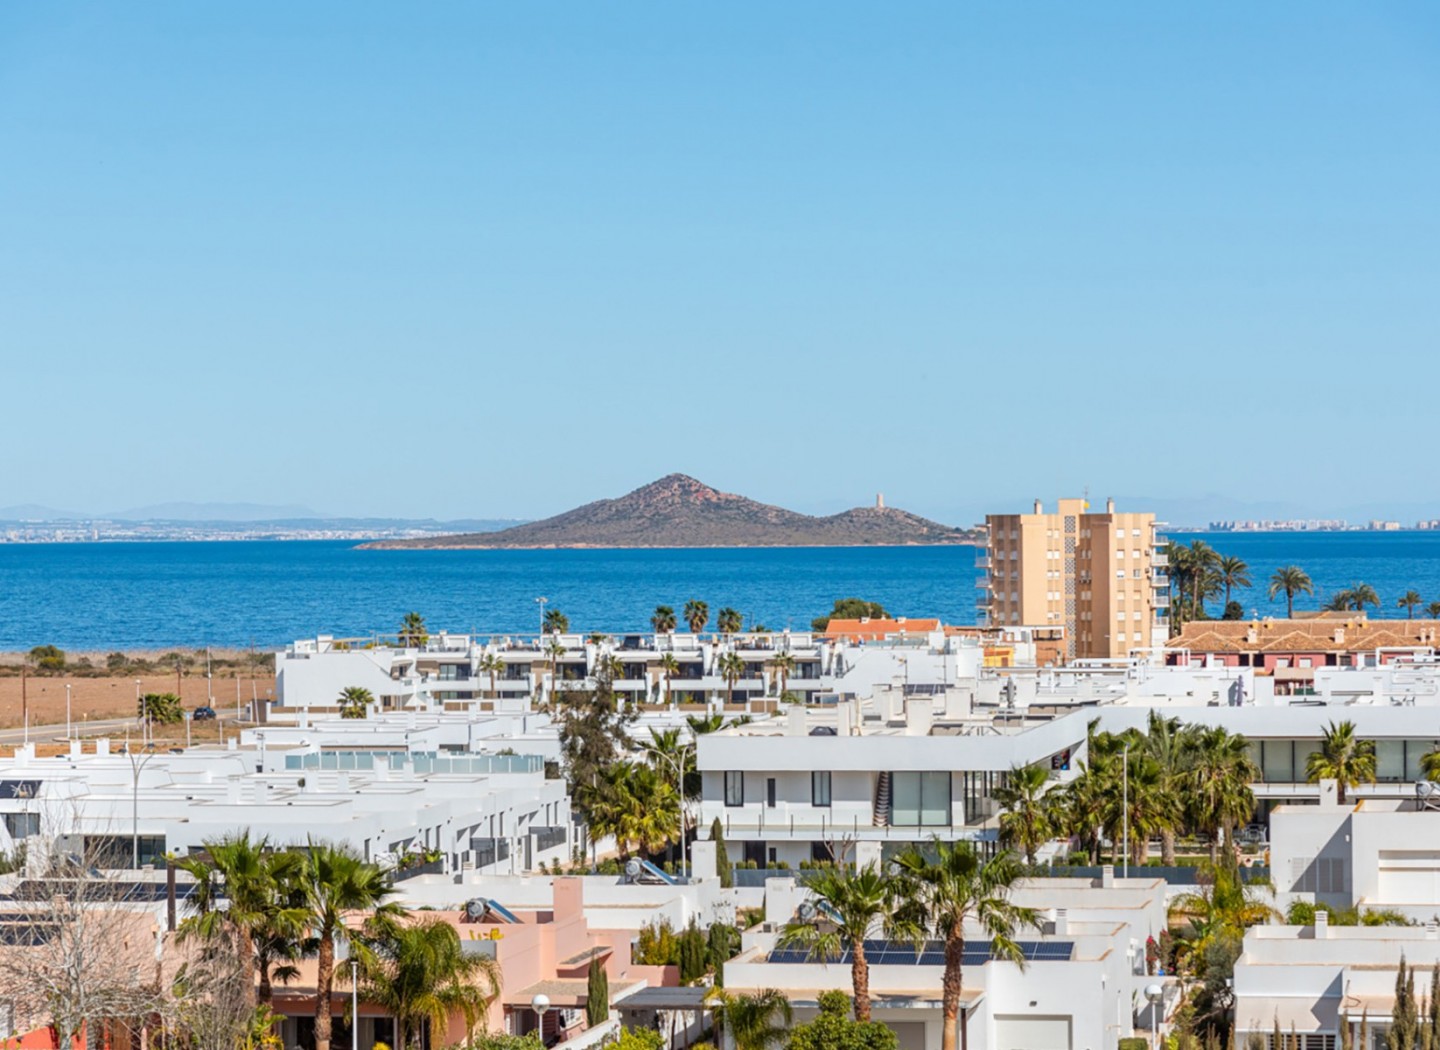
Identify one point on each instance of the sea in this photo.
(151, 595)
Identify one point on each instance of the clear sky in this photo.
(499, 259)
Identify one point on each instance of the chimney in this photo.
(1062, 922)
(1107, 876)
(919, 715)
(1110, 506)
(1038, 507)
(843, 719)
(75, 749)
(1322, 924)
(102, 746)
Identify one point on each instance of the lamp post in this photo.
(541, 602)
(540, 1003)
(135, 770)
(67, 710)
(1125, 812)
(1154, 993)
(679, 767)
(354, 1003)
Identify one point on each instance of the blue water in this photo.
(147, 595)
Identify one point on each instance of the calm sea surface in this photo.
(118, 595)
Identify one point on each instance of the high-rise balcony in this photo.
(983, 561)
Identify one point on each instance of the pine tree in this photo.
(1404, 1018)
(597, 995)
(722, 858)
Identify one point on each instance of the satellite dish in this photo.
(476, 908)
(806, 912)
(1424, 789)
(632, 869)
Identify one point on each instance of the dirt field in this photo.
(115, 697)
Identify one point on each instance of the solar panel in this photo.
(931, 953)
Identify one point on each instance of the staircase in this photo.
(882, 801)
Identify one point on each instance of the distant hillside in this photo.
(678, 511)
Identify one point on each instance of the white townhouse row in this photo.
(420, 810)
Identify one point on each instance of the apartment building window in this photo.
(920, 800)
(820, 788)
(734, 788)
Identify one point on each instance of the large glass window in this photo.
(734, 788)
(1279, 762)
(1389, 759)
(920, 800)
(820, 788)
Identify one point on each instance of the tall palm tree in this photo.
(669, 667)
(1217, 783)
(1148, 802)
(492, 665)
(669, 753)
(412, 630)
(1223, 909)
(1290, 580)
(732, 668)
(856, 905)
(1410, 601)
(751, 1019)
(555, 622)
(337, 880)
(664, 619)
(697, 614)
(419, 974)
(1341, 601)
(729, 621)
(938, 896)
(1342, 758)
(1433, 610)
(1025, 823)
(355, 701)
(783, 665)
(1169, 745)
(1204, 578)
(638, 805)
(1234, 572)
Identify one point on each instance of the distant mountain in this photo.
(35, 512)
(678, 511)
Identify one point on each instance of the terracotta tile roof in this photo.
(863, 630)
(1329, 635)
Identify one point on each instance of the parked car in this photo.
(204, 714)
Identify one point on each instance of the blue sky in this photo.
(496, 260)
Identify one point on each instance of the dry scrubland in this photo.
(99, 692)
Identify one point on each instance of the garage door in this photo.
(1409, 876)
(909, 1034)
(1032, 1033)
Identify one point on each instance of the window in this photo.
(22, 825)
(734, 788)
(820, 788)
(920, 800)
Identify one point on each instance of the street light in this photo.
(67, 710)
(1154, 993)
(679, 768)
(540, 1003)
(1125, 812)
(354, 1004)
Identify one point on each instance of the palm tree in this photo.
(355, 701)
(1204, 579)
(555, 622)
(638, 805)
(336, 880)
(1234, 572)
(1290, 580)
(937, 897)
(1430, 765)
(1216, 784)
(1223, 909)
(1025, 823)
(1340, 601)
(732, 668)
(1433, 610)
(419, 974)
(412, 631)
(669, 666)
(492, 665)
(1169, 746)
(751, 1019)
(697, 614)
(1361, 595)
(1410, 601)
(1342, 758)
(729, 621)
(671, 754)
(1148, 801)
(664, 619)
(855, 904)
(784, 666)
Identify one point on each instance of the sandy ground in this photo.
(115, 697)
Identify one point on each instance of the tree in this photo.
(937, 896)
(722, 859)
(664, 619)
(694, 954)
(729, 621)
(1290, 580)
(597, 995)
(492, 665)
(1217, 782)
(731, 668)
(1342, 758)
(850, 609)
(669, 667)
(592, 739)
(555, 622)
(1433, 610)
(784, 666)
(1169, 746)
(636, 804)
(756, 1021)
(419, 974)
(1234, 572)
(1404, 1031)
(161, 708)
(1025, 824)
(697, 614)
(1361, 595)
(721, 944)
(1410, 601)
(832, 1029)
(1233, 611)
(355, 701)
(48, 658)
(412, 631)
(1225, 907)
(336, 880)
(852, 906)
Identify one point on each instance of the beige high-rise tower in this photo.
(1101, 576)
